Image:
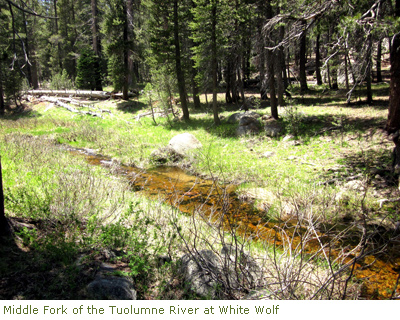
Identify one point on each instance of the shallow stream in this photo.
(192, 194)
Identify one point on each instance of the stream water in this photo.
(190, 194)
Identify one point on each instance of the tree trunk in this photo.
(334, 74)
(131, 36)
(2, 104)
(240, 84)
(214, 64)
(393, 124)
(179, 73)
(284, 70)
(279, 79)
(228, 76)
(195, 87)
(346, 72)
(379, 62)
(261, 67)
(280, 69)
(56, 32)
(271, 80)
(261, 51)
(369, 71)
(302, 61)
(4, 226)
(318, 61)
(125, 85)
(95, 29)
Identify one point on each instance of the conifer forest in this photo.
(199, 149)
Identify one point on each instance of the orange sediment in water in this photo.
(191, 194)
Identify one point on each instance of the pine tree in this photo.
(88, 71)
(209, 36)
(117, 44)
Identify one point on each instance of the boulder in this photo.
(106, 286)
(248, 125)
(184, 142)
(111, 288)
(164, 155)
(200, 272)
(273, 128)
(212, 276)
(235, 118)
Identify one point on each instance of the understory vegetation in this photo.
(321, 226)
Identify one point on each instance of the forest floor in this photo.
(331, 166)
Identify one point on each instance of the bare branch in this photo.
(12, 3)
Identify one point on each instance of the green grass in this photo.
(43, 182)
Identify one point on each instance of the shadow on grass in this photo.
(47, 272)
(22, 112)
(332, 125)
(308, 126)
(319, 96)
(130, 106)
(303, 127)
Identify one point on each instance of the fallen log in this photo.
(71, 93)
(84, 105)
(69, 108)
(79, 93)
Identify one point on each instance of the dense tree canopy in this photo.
(199, 44)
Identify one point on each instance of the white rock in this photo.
(183, 143)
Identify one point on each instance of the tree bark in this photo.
(228, 97)
(261, 50)
(96, 45)
(280, 69)
(56, 32)
(240, 84)
(346, 72)
(179, 73)
(131, 36)
(214, 63)
(195, 87)
(393, 124)
(369, 71)
(2, 104)
(318, 60)
(271, 80)
(379, 62)
(125, 85)
(302, 61)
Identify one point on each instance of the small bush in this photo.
(293, 120)
(61, 81)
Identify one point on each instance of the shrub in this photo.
(61, 81)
